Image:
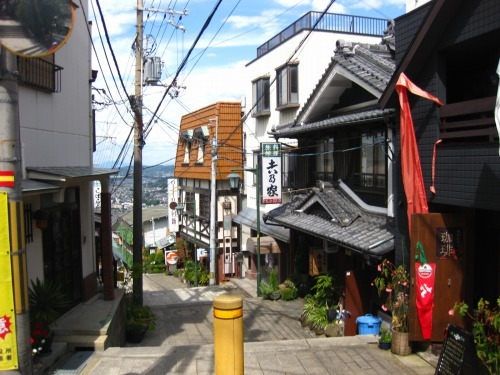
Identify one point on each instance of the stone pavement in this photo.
(275, 342)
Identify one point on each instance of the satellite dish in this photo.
(35, 28)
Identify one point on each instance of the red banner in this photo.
(413, 182)
(425, 296)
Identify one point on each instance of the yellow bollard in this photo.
(228, 335)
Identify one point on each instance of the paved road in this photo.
(275, 342)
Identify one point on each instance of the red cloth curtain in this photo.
(413, 181)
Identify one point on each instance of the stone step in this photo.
(97, 342)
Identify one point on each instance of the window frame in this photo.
(287, 86)
(261, 97)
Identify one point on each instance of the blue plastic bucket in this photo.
(368, 324)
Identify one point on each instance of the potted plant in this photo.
(384, 342)
(320, 309)
(486, 330)
(47, 302)
(139, 320)
(393, 281)
(270, 290)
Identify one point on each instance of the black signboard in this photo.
(459, 356)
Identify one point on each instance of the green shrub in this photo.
(158, 268)
(273, 280)
(288, 294)
(160, 258)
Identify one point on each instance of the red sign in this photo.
(171, 257)
(6, 178)
(425, 296)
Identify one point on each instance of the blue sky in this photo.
(214, 71)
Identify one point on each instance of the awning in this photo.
(66, 174)
(30, 187)
(165, 242)
(248, 217)
(121, 252)
(268, 245)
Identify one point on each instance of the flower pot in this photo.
(384, 345)
(400, 343)
(134, 335)
(274, 296)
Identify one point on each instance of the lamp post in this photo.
(180, 210)
(234, 182)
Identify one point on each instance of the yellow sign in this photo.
(8, 342)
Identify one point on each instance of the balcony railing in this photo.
(332, 22)
(39, 73)
(469, 121)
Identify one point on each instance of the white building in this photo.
(57, 144)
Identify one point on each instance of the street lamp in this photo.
(234, 182)
(180, 211)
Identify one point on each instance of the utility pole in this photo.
(10, 166)
(136, 103)
(213, 204)
(138, 144)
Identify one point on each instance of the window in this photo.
(204, 206)
(187, 151)
(260, 97)
(324, 160)
(287, 83)
(373, 160)
(187, 138)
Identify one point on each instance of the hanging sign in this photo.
(425, 275)
(271, 172)
(172, 193)
(8, 342)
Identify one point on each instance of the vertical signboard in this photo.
(8, 343)
(172, 191)
(271, 172)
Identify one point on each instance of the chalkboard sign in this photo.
(459, 356)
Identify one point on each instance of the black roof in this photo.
(332, 214)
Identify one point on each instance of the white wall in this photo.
(56, 127)
(56, 131)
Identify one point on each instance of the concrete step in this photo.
(96, 342)
(42, 363)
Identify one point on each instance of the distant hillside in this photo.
(154, 171)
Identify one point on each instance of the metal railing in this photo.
(332, 22)
(39, 73)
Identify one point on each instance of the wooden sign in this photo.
(459, 356)
(317, 262)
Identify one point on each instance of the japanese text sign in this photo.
(271, 172)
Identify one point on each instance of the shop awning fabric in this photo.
(248, 217)
(337, 215)
(267, 245)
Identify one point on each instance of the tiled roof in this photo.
(368, 65)
(330, 214)
(357, 117)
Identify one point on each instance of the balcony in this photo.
(39, 73)
(469, 121)
(331, 22)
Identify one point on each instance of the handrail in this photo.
(332, 22)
